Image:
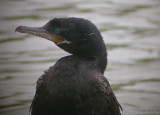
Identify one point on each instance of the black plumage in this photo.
(75, 85)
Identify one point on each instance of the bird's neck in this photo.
(98, 61)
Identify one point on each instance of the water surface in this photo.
(131, 31)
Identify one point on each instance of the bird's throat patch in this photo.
(58, 39)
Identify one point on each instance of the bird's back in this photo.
(71, 88)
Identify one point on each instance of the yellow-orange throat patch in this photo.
(58, 39)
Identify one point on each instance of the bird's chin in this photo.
(63, 42)
(58, 40)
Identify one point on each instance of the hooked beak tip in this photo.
(19, 29)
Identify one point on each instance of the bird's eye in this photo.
(56, 31)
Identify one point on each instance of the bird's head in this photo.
(75, 35)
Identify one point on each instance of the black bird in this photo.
(75, 85)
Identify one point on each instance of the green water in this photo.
(131, 31)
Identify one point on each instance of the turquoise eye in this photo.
(57, 31)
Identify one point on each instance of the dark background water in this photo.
(131, 31)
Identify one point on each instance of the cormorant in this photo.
(75, 85)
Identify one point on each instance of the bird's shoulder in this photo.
(40, 81)
(102, 84)
(62, 68)
(103, 87)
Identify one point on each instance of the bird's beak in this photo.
(40, 32)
